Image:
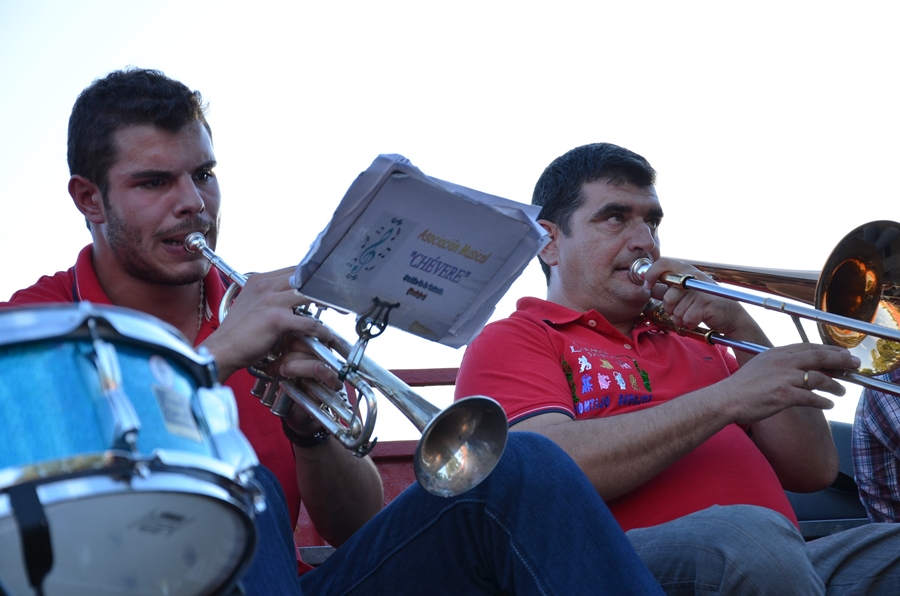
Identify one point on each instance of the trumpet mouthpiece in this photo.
(194, 242)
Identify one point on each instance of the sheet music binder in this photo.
(444, 253)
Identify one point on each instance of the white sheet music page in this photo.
(445, 254)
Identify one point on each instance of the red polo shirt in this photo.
(547, 358)
(261, 427)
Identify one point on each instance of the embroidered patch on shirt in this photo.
(570, 378)
(604, 378)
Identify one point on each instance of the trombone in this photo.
(460, 445)
(856, 299)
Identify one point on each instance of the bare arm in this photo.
(620, 453)
(341, 491)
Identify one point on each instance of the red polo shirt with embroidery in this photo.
(261, 427)
(547, 358)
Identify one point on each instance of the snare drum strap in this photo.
(34, 532)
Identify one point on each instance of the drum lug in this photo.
(220, 412)
(234, 449)
(141, 469)
(125, 423)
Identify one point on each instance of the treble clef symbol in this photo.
(369, 252)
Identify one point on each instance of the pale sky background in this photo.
(773, 125)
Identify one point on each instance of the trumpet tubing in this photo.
(460, 445)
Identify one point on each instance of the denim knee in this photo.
(734, 549)
(748, 536)
(535, 449)
(535, 465)
(534, 457)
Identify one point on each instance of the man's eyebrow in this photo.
(611, 209)
(622, 209)
(142, 174)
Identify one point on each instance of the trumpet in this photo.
(460, 445)
(857, 288)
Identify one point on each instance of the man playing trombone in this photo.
(143, 175)
(690, 446)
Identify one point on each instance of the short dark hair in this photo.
(559, 190)
(122, 98)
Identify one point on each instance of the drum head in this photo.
(140, 543)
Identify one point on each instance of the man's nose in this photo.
(189, 201)
(644, 237)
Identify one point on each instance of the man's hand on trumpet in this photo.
(257, 320)
(297, 362)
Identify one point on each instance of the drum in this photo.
(122, 469)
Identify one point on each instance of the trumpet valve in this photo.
(269, 394)
(259, 388)
(281, 405)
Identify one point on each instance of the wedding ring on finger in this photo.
(806, 380)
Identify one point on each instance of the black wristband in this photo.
(300, 441)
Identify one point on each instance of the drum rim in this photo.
(236, 492)
(33, 323)
(117, 462)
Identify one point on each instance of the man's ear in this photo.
(550, 253)
(87, 198)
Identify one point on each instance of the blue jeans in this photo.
(535, 526)
(745, 550)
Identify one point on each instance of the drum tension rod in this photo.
(125, 421)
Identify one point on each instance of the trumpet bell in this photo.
(460, 446)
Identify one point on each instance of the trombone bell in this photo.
(856, 296)
(861, 281)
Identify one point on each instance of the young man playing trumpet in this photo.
(143, 175)
(690, 446)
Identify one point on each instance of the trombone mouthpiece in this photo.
(638, 269)
(194, 242)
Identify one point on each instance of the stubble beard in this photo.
(126, 244)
